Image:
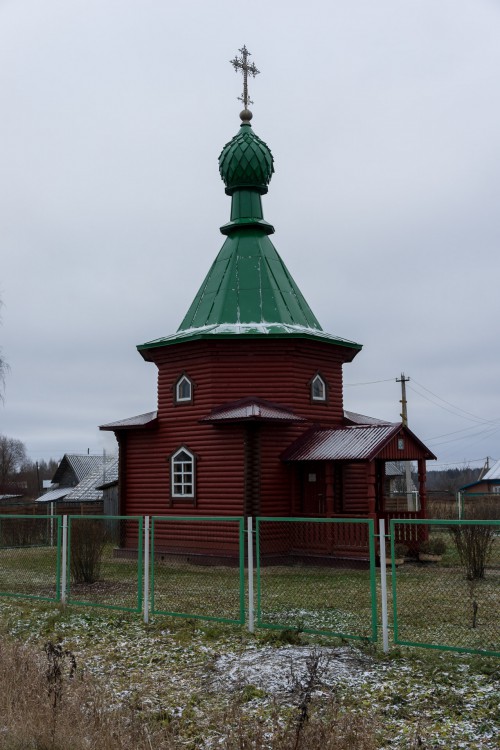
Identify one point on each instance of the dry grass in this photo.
(45, 704)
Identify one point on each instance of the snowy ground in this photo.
(192, 671)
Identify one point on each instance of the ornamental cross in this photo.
(241, 63)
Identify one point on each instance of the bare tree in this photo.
(12, 457)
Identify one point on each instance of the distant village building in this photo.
(250, 417)
(488, 484)
(76, 486)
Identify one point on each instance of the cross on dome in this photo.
(242, 64)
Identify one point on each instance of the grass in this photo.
(175, 684)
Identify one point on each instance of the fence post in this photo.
(383, 586)
(251, 625)
(64, 560)
(146, 569)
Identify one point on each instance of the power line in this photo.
(458, 408)
(370, 382)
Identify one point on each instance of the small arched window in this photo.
(183, 390)
(318, 388)
(182, 465)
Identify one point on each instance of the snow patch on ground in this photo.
(280, 671)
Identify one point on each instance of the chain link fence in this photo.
(105, 562)
(30, 555)
(317, 576)
(197, 568)
(446, 584)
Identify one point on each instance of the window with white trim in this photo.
(182, 472)
(183, 390)
(318, 389)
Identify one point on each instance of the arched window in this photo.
(183, 390)
(318, 388)
(182, 465)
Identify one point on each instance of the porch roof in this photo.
(352, 443)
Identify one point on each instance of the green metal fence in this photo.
(446, 595)
(317, 575)
(30, 556)
(197, 567)
(105, 562)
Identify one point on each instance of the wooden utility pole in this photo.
(404, 411)
(410, 500)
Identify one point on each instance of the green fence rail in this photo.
(105, 562)
(311, 576)
(30, 556)
(198, 567)
(446, 595)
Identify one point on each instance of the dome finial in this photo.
(241, 63)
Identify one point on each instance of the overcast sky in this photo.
(384, 121)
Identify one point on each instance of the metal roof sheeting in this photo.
(493, 473)
(352, 416)
(139, 421)
(53, 495)
(86, 491)
(81, 464)
(252, 409)
(346, 444)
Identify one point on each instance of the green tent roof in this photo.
(248, 290)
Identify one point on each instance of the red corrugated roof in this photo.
(251, 409)
(355, 443)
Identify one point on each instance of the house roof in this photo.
(249, 410)
(147, 421)
(53, 495)
(87, 491)
(352, 416)
(351, 443)
(493, 473)
(81, 464)
(87, 488)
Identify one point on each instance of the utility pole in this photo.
(410, 500)
(404, 411)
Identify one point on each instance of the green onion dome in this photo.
(246, 162)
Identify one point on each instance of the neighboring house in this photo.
(488, 484)
(75, 484)
(250, 417)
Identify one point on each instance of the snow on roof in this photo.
(493, 473)
(130, 422)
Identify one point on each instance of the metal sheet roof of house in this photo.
(355, 443)
(352, 416)
(250, 410)
(87, 491)
(82, 465)
(53, 495)
(142, 420)
(493, 473)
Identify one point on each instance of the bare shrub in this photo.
(474, 543)
(87, 542)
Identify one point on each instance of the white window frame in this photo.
(178, 397)
(317, 378)
(182, 472)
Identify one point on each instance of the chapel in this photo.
(250, 419)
